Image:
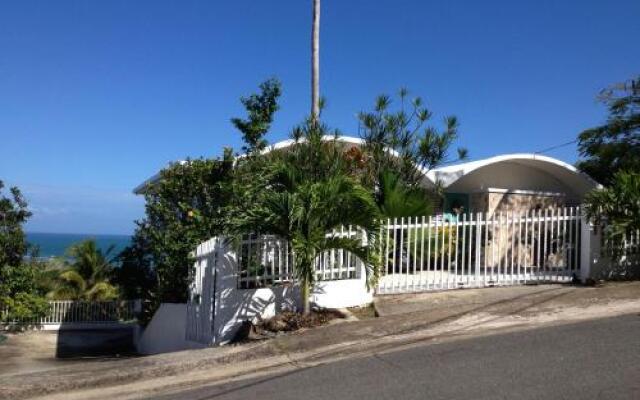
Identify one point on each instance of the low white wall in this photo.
(342, 293)
(233, 306)
(166, 331)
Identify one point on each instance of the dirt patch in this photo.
(291, 321)
(362, 313)
(283, 323)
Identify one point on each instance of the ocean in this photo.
(55, 244)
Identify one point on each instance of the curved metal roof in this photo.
(559, 170)
(449, 175)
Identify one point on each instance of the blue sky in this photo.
(97, 96)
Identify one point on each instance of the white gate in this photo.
(478, 250)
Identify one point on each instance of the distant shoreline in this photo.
(56, 244)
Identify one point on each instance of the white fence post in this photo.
(587, 242)
(478, 249)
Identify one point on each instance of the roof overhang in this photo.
(560, 170)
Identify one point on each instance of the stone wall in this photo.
(516, 202)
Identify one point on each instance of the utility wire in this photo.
(555, 147)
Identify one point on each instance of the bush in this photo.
(617, 208)
(24, 308)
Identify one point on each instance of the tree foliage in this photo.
(19, 294)
(397, 199)
(184, 207)
(618, 205)
(135, 276)
(615, 145)
(86, 275)
(306, 192)
(188, 204)
(13, 214)
(260, 110)
(403, 141)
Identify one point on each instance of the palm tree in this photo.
(397, 199)
(86, 275)
(307, 195)
(315, 61)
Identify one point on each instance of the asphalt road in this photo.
(592, 360)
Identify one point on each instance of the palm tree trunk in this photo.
(315, 61)
(306, 289)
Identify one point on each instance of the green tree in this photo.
(187, 205)
(403, 141)
(135, 276)
(13, 214)
(184, 207)
(19, 294)
(87, 275)
(304, 193)
(260, 110)
(615, 145)
(619, 206)
(399, 147)
(397, 199)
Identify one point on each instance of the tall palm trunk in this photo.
(305, 292)
(315, 61)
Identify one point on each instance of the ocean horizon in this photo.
(56, 244)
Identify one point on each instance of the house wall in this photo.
(503, 243)
(496, 202)
(478, 202)
(514, 202)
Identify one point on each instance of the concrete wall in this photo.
(96, 341)
(495, 202)
(166, 331)
(510, 202)
(342, 293)
(233, 306)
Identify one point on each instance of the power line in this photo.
(556, 147)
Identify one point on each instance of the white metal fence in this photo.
(431, 253)
(621, 257)
(69, 312)
(628, 247)
(479, 250)
(267, 260)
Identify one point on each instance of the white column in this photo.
(589, 248)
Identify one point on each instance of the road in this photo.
(599, 359)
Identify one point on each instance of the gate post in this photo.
(478, 244)
(589, 249)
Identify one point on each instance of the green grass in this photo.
(2, 338)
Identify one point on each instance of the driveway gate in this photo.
(478, 250)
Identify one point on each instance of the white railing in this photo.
(622, 254)
(481, 249)
(267, 260)
(69, 312)
(629, 245)
(433, 253)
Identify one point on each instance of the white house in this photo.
(484, 249)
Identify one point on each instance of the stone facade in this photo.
(521, 203)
